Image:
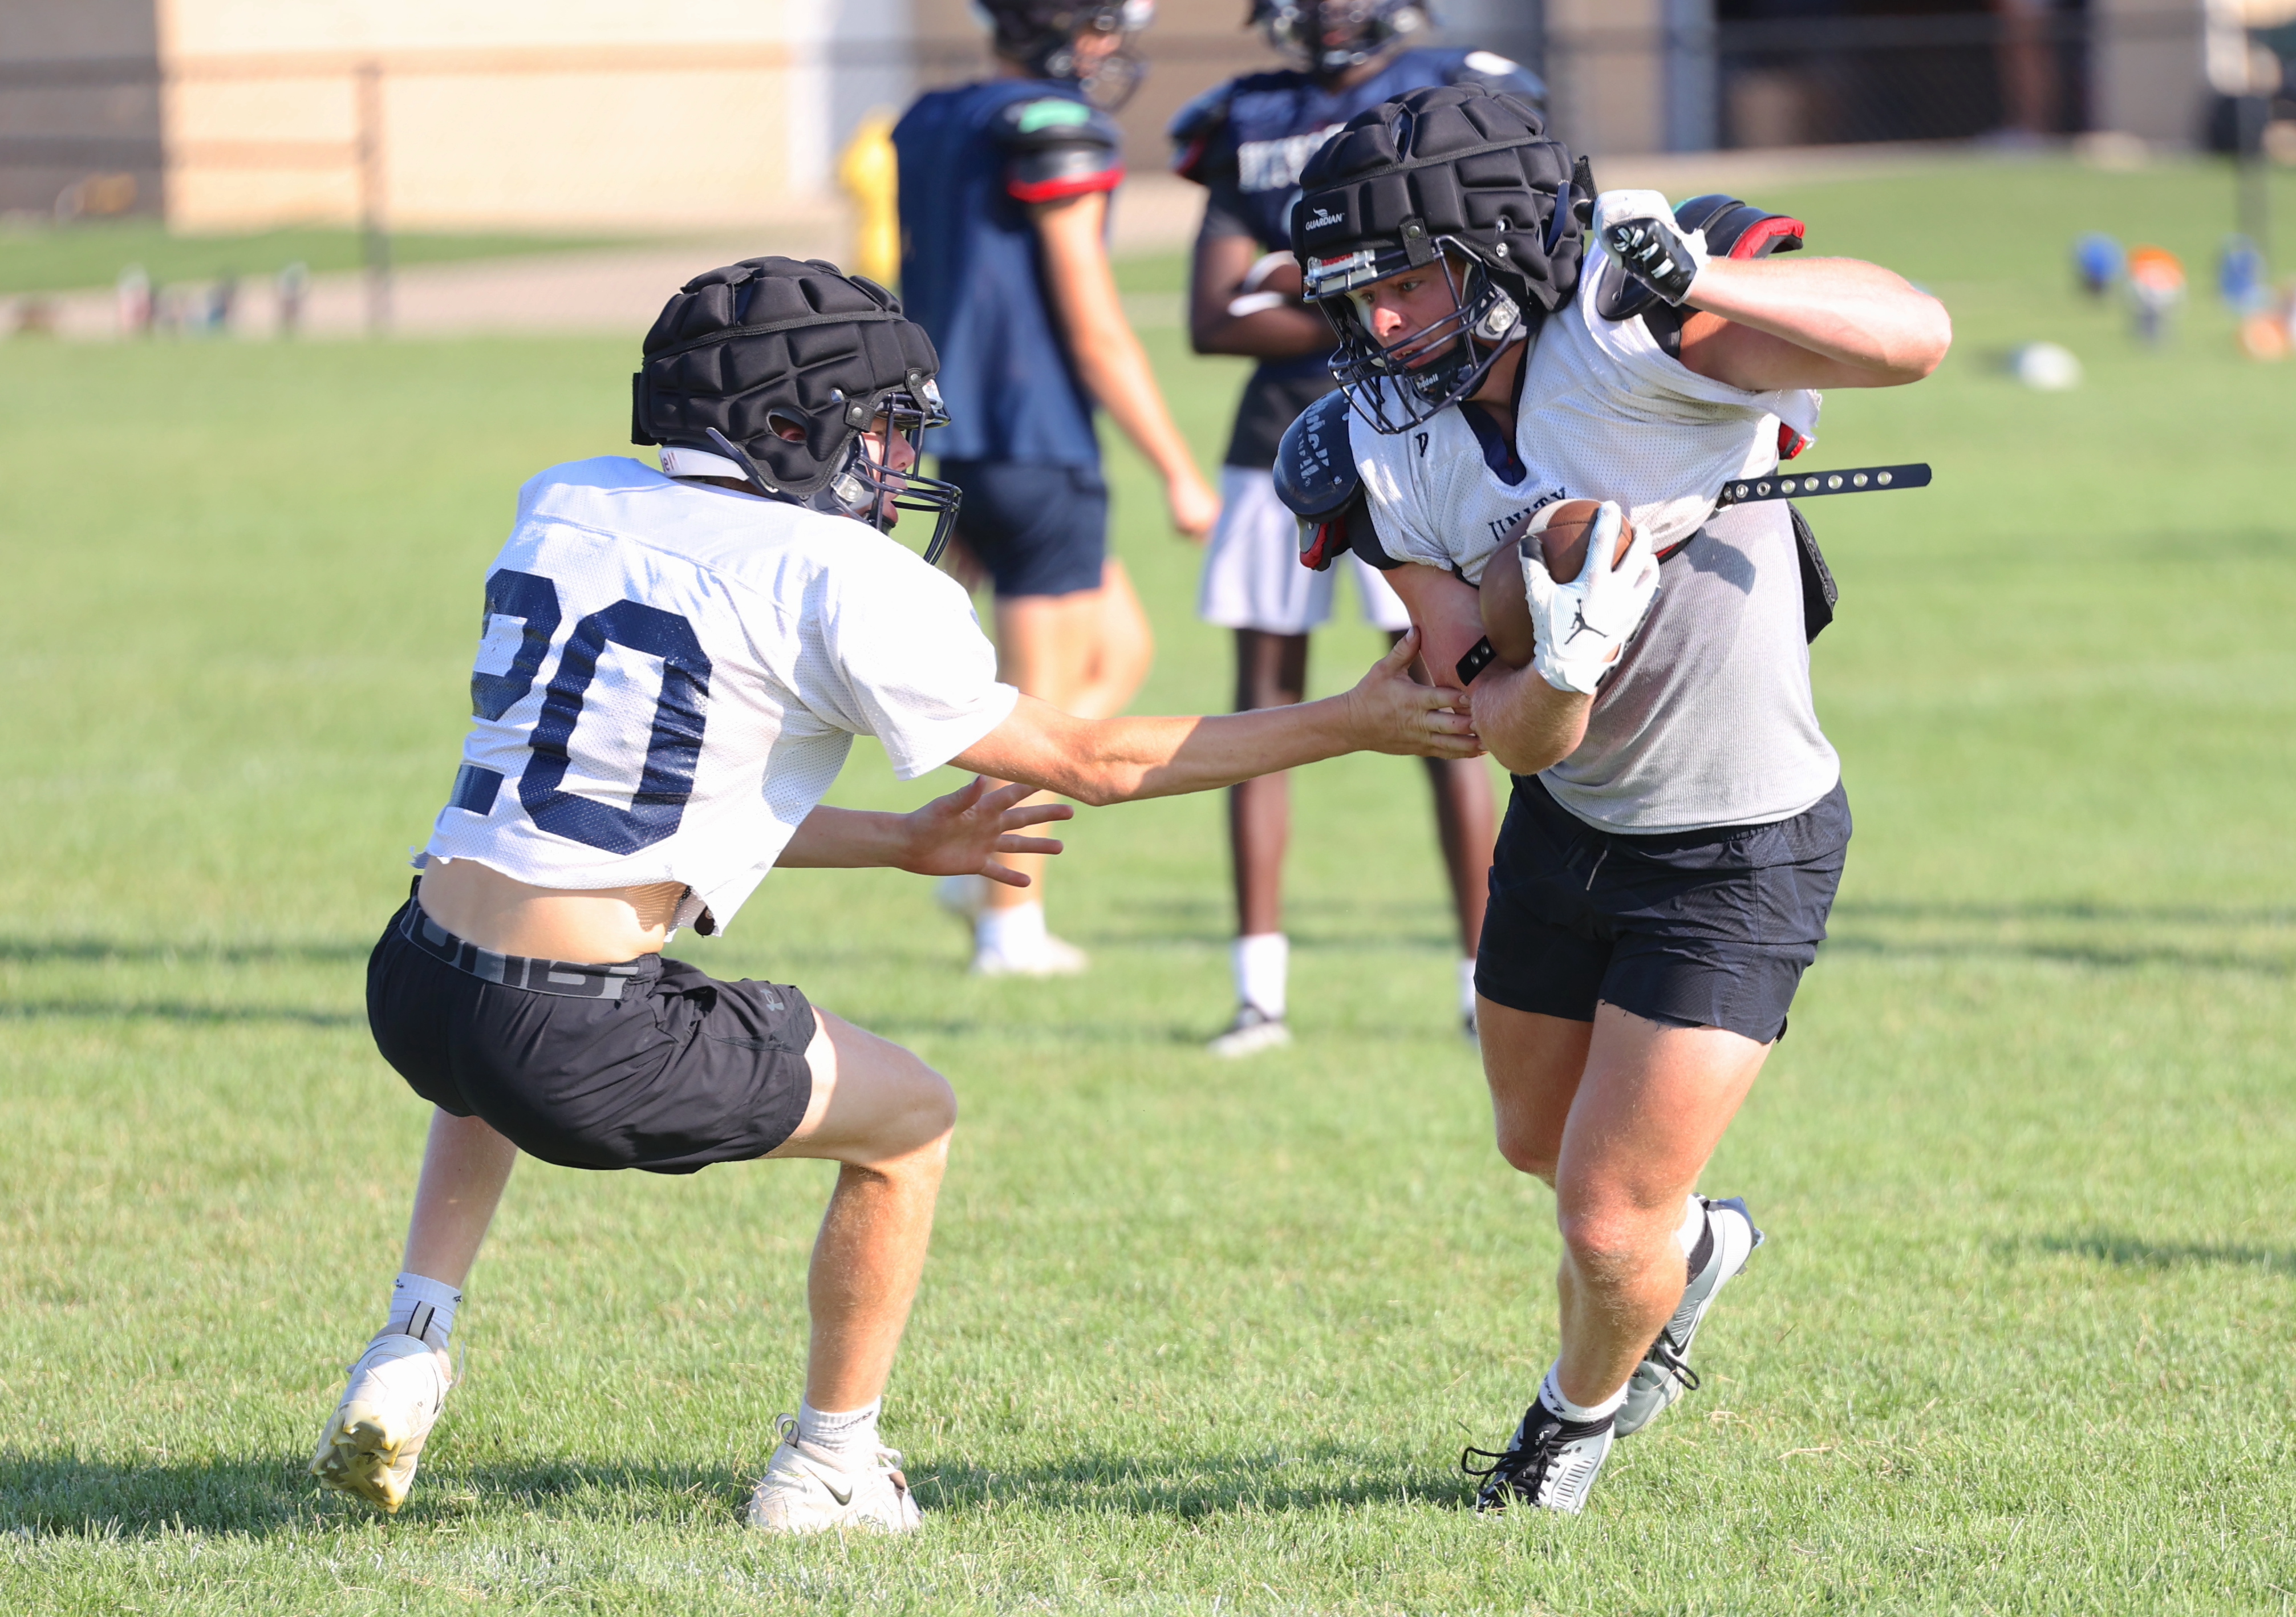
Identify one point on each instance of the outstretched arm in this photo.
(955, 835)
(1115, 760)
(1110, 358)
(1770, 324)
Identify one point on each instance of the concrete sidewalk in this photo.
(608, 291)
(619, 291)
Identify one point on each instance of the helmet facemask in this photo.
(1399, 386)
(1107, 78)
(866, 488)
(1327, 39)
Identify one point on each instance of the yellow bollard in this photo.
(870, 174)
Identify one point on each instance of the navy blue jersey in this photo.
(1246, 142)
(972, 161)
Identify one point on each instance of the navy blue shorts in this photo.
(1038, 529)
(1696, 929)
(646, 1064)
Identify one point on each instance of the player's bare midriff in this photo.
(482, 905)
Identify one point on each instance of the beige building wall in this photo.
(602, 114)
(2144, 71)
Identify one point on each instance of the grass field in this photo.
(1194, 1336)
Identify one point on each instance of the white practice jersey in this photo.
(669, 675)
(1605, 414)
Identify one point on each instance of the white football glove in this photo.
(1638, 230)
(1582, 626)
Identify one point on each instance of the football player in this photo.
(1245, 142)
(671, 669)
(1510, 341)
(1004, 189)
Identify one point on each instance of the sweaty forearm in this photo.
(1526, 723)
(1117, 761)
(846, 839)
(1853, 313)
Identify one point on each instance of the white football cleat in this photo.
(374, 1436)
(1665, 1374)
(805, 1490)
(1052, 958)
(1252, 1032)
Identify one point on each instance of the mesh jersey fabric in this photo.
(971, 275)
(1604, 413)
(669, 675)
(1246, 142)
(1707, 720)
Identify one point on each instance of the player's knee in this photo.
(1527, 1148)
(927, 1114)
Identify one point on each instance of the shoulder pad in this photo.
(1740, 230)
(1195, 129)
(1057, 147)
(1500, 75)
(1315, 467)
(1202, 115)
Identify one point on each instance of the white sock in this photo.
(423, 1307)
(1467, 986)
(1694, 1225)
(1262, 963)
(1550, 1393)
(850, 1438)
(1016, 934)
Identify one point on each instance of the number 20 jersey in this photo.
(669, 675)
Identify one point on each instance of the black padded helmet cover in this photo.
(773, 337)
(1456, 160)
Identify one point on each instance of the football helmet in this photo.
(782, 365)
(1326, 38)
(1453, 179)
(1042, 34)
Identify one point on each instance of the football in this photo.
(1562, 545)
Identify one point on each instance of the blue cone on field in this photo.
(2098, 261)
(2241, 276)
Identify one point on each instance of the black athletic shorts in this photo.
(1696, 929)
(649, 1063)
(1039, 529)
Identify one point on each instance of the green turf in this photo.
(1194, 1336)
(92, 252)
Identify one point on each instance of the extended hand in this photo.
(1392, 712)
(955, 835)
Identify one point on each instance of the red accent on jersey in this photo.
(1791, 443)
(1324, 542)
(1053, 191)
(1767, 236)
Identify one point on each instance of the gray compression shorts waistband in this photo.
(568, 978)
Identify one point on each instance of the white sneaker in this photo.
(1665, 1374)
(805, 1490)
(1252, 1032)
(371, 1441)
(1053, 958)
(963, 897)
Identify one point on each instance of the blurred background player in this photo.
(1004, 196)
(1245, 142)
